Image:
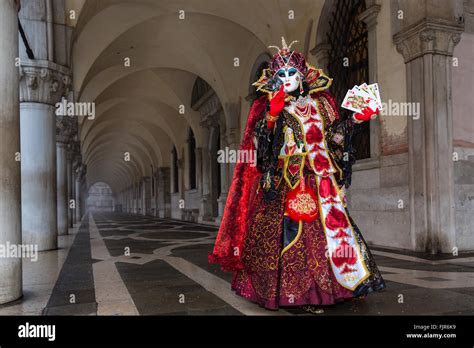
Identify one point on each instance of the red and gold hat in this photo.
(286, 58)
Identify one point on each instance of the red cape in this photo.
(230, 238)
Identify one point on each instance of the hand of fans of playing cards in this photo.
(364, 100)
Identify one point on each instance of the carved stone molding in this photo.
(429, 36)
(209, 110)
(73, 149)
(43, 82)
(210, 122)
(232, 137)
(81, 172)
(321, 53)
(369, 16)
(66, 128)
(77, 161)
(76, 156)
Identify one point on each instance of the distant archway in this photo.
(100, 198)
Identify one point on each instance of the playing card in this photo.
(375, 91)
(353, 102)
(361, 97)
(364, 87)
(369, 99)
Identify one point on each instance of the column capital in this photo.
(208, 105)
(43, 82)
(180, 163)
(66, 128)
(232, 137)
(428, 36)
(209, 109)
(74, 148)
(210, 120)
(81, 171)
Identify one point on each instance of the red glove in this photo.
(366, 114)
(277, 103)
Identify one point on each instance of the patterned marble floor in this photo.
(116, 264)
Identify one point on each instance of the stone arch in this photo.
(260, 63)
(100, 197)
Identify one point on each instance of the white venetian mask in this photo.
(290, 77)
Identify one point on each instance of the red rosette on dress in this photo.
(301, 203)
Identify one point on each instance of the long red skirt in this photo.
(300, 275)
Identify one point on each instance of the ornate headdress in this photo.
(285, 57)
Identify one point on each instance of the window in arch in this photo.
(174, 155)
(192, 159)
(200, 88)
(348, 38)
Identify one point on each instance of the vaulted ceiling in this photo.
(137, 105)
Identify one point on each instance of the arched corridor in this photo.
(121, 119)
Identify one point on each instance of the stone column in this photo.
(427, 45)
(63, 206)
(199, 168)
(224, 180)
(78, 184)
(156, 193)
(125, 197)
(78, 200)
(233, 144)
(70, 195)
(163, 179)
(74, 198)
(181, 185)
(42, 84)
(369, 17)
(84, 193)
(146, 192)
(10, 179)
(205, 211)
(135, 198)
(126, 201)
(66, 128)
(209, 107)
(214, 168)
(139, 197)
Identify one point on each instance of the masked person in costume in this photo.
(286, 232)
